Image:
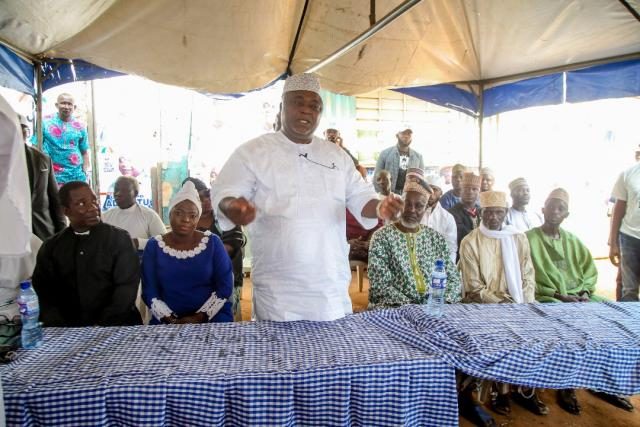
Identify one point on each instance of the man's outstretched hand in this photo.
(390, 208)
(239, 210)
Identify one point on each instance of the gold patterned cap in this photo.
(304, 81)
(493, 199)
(415, 182)
(518, 182)
(560, 194)
(470, 179)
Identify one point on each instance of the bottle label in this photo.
(437, 283)
(28, 307)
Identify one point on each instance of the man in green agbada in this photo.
(565, 271)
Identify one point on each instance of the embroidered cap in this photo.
(415, 182)
(486, 171)
(469, 179)
(493, 199)
(304, 81)
(187, 192)
(518, 182)
(435, 181)
(560, 194)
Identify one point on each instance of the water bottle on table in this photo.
(436, 295)
(29, 312)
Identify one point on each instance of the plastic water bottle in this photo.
(438, 284)
(29, 312)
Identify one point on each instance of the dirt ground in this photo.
(595, 412)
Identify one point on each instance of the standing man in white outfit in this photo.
(291, 189)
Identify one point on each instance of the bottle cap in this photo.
(439, 263)
(25, 285)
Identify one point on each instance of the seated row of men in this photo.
(497, 264)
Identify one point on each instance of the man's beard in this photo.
(408, 224)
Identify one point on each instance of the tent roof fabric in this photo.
(224, 47)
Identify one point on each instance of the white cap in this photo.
(435, 180)
(304, 81)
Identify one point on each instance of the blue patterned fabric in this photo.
(65, 142)
(579, 345)
(345, 372)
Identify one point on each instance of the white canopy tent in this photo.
(234, 46)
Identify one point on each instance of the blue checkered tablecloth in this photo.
(346, 372)
(581, 345)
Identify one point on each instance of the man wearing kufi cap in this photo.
(291, 189)
(452, 197)
(466, 213)
(87, 274)
(518, 216)
(398, 159)
(402, 255)
(564, 272)
(439, 218)
(488, 179)
(496, 267)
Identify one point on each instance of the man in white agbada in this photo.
(439, 218)
(140, 222)
(291, 189)
(517, 215)
(495, 260)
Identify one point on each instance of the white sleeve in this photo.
(159, 309)
(358, 194)
(452, 237)
(155, 225)
(212, 305)
(619, 189)
(236, 179)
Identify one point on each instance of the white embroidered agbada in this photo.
(300, 267)
(444, 223)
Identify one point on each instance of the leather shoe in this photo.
(568, 401)
(474, 412)
(617, 401)
(533, 403)
(501, 404)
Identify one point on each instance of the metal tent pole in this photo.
(386, 20)
(480, 125)
(38, 128)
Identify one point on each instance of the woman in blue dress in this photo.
(186, 274)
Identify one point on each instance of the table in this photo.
(346, 372)
(578, 345)
(383, 368)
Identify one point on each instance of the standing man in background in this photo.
(66, 141)
(333, 135)
(397, 160)
(453, 196)
(46, 212)
(624, 239)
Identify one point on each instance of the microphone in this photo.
(304, 155)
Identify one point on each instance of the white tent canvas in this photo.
(234, 46)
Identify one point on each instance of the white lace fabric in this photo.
(184, 254)
(159, 309)
(212, 305)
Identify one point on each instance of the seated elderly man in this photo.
(402, 255)
(140, 222)
(87, 274)
(565, 272)
(496, 267)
